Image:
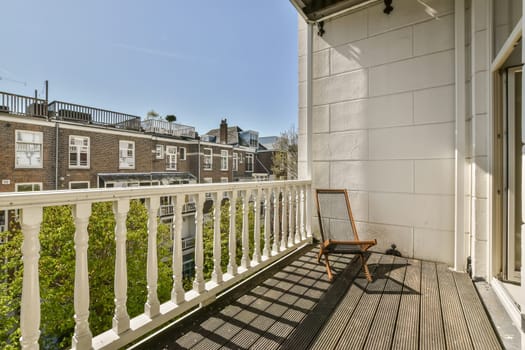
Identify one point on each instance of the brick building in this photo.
(65, 146)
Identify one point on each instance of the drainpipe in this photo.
(56, 154)
(199, 161)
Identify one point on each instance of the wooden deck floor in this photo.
(410, 304)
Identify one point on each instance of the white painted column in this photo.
(82, 336)
(198, 283)
(121, 317)
(232, 239)
(177, 291)
(257, 227)
(276, 243)
(245, 260)
(30, 304)
(267, 244)
(459, 200)
(152, 306)
(216, 275)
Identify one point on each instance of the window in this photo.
(188, 265)
(224, 179)
(28, 149)
(3, 221)
(207, 180)
(77, 185)
(182, 153)
(28, 187)
(171, 157)
(249, 162)
(78, 151)
(126, 155)
(235, 162)
(224, 160)
(208, 158)
(159, 152)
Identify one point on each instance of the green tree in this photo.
(284, 159)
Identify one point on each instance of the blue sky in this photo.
(200, 60)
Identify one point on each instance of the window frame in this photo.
(207, 166)
(249, 161)
(171, 158)
(159, 151)
(41, 155)
(28, 183)
(235, 160)
(126, 165)
(79, 182)
(224, 160)
(79, 152)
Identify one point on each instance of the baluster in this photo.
(198, 283)
(82, 336)
(152, 306)
(303, 207)
(177, 291)
(245, 261)
(232, 240)
(266, 249)
(257, 228)
(216, 275)
(308, 211)
(297, 194)
(121, 317)
(291, 215)
(30, 304)
(276, 243)
(284, 217)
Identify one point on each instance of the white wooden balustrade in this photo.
(280, 210)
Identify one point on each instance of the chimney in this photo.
(223, 133)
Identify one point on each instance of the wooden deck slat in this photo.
(480, 328)
(282, 314)
(431, 333)
(406, 335)
(383, 326)
(359, 324)
(410, 305)
(456, 332)
(335, 326)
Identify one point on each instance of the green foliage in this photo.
(57, 272)
(284, 159)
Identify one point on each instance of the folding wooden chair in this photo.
(338, 231)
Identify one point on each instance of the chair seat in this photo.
(344, 248)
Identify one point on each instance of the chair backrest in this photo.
(335, 215)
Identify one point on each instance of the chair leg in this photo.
(319, 255)
(365, 268)
(328, 268)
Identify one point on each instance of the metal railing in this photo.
(22, 105)
(280, 212)
(156, 126)
(96, 116)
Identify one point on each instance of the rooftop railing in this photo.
(156, 126)
(274, 223)
(96, 116)
(22, 105)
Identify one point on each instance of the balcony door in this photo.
(514, 151)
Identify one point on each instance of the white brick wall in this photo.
(383, 123)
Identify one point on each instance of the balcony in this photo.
(161, 127)
(273, 224)
(22, 105)
(95, 116)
